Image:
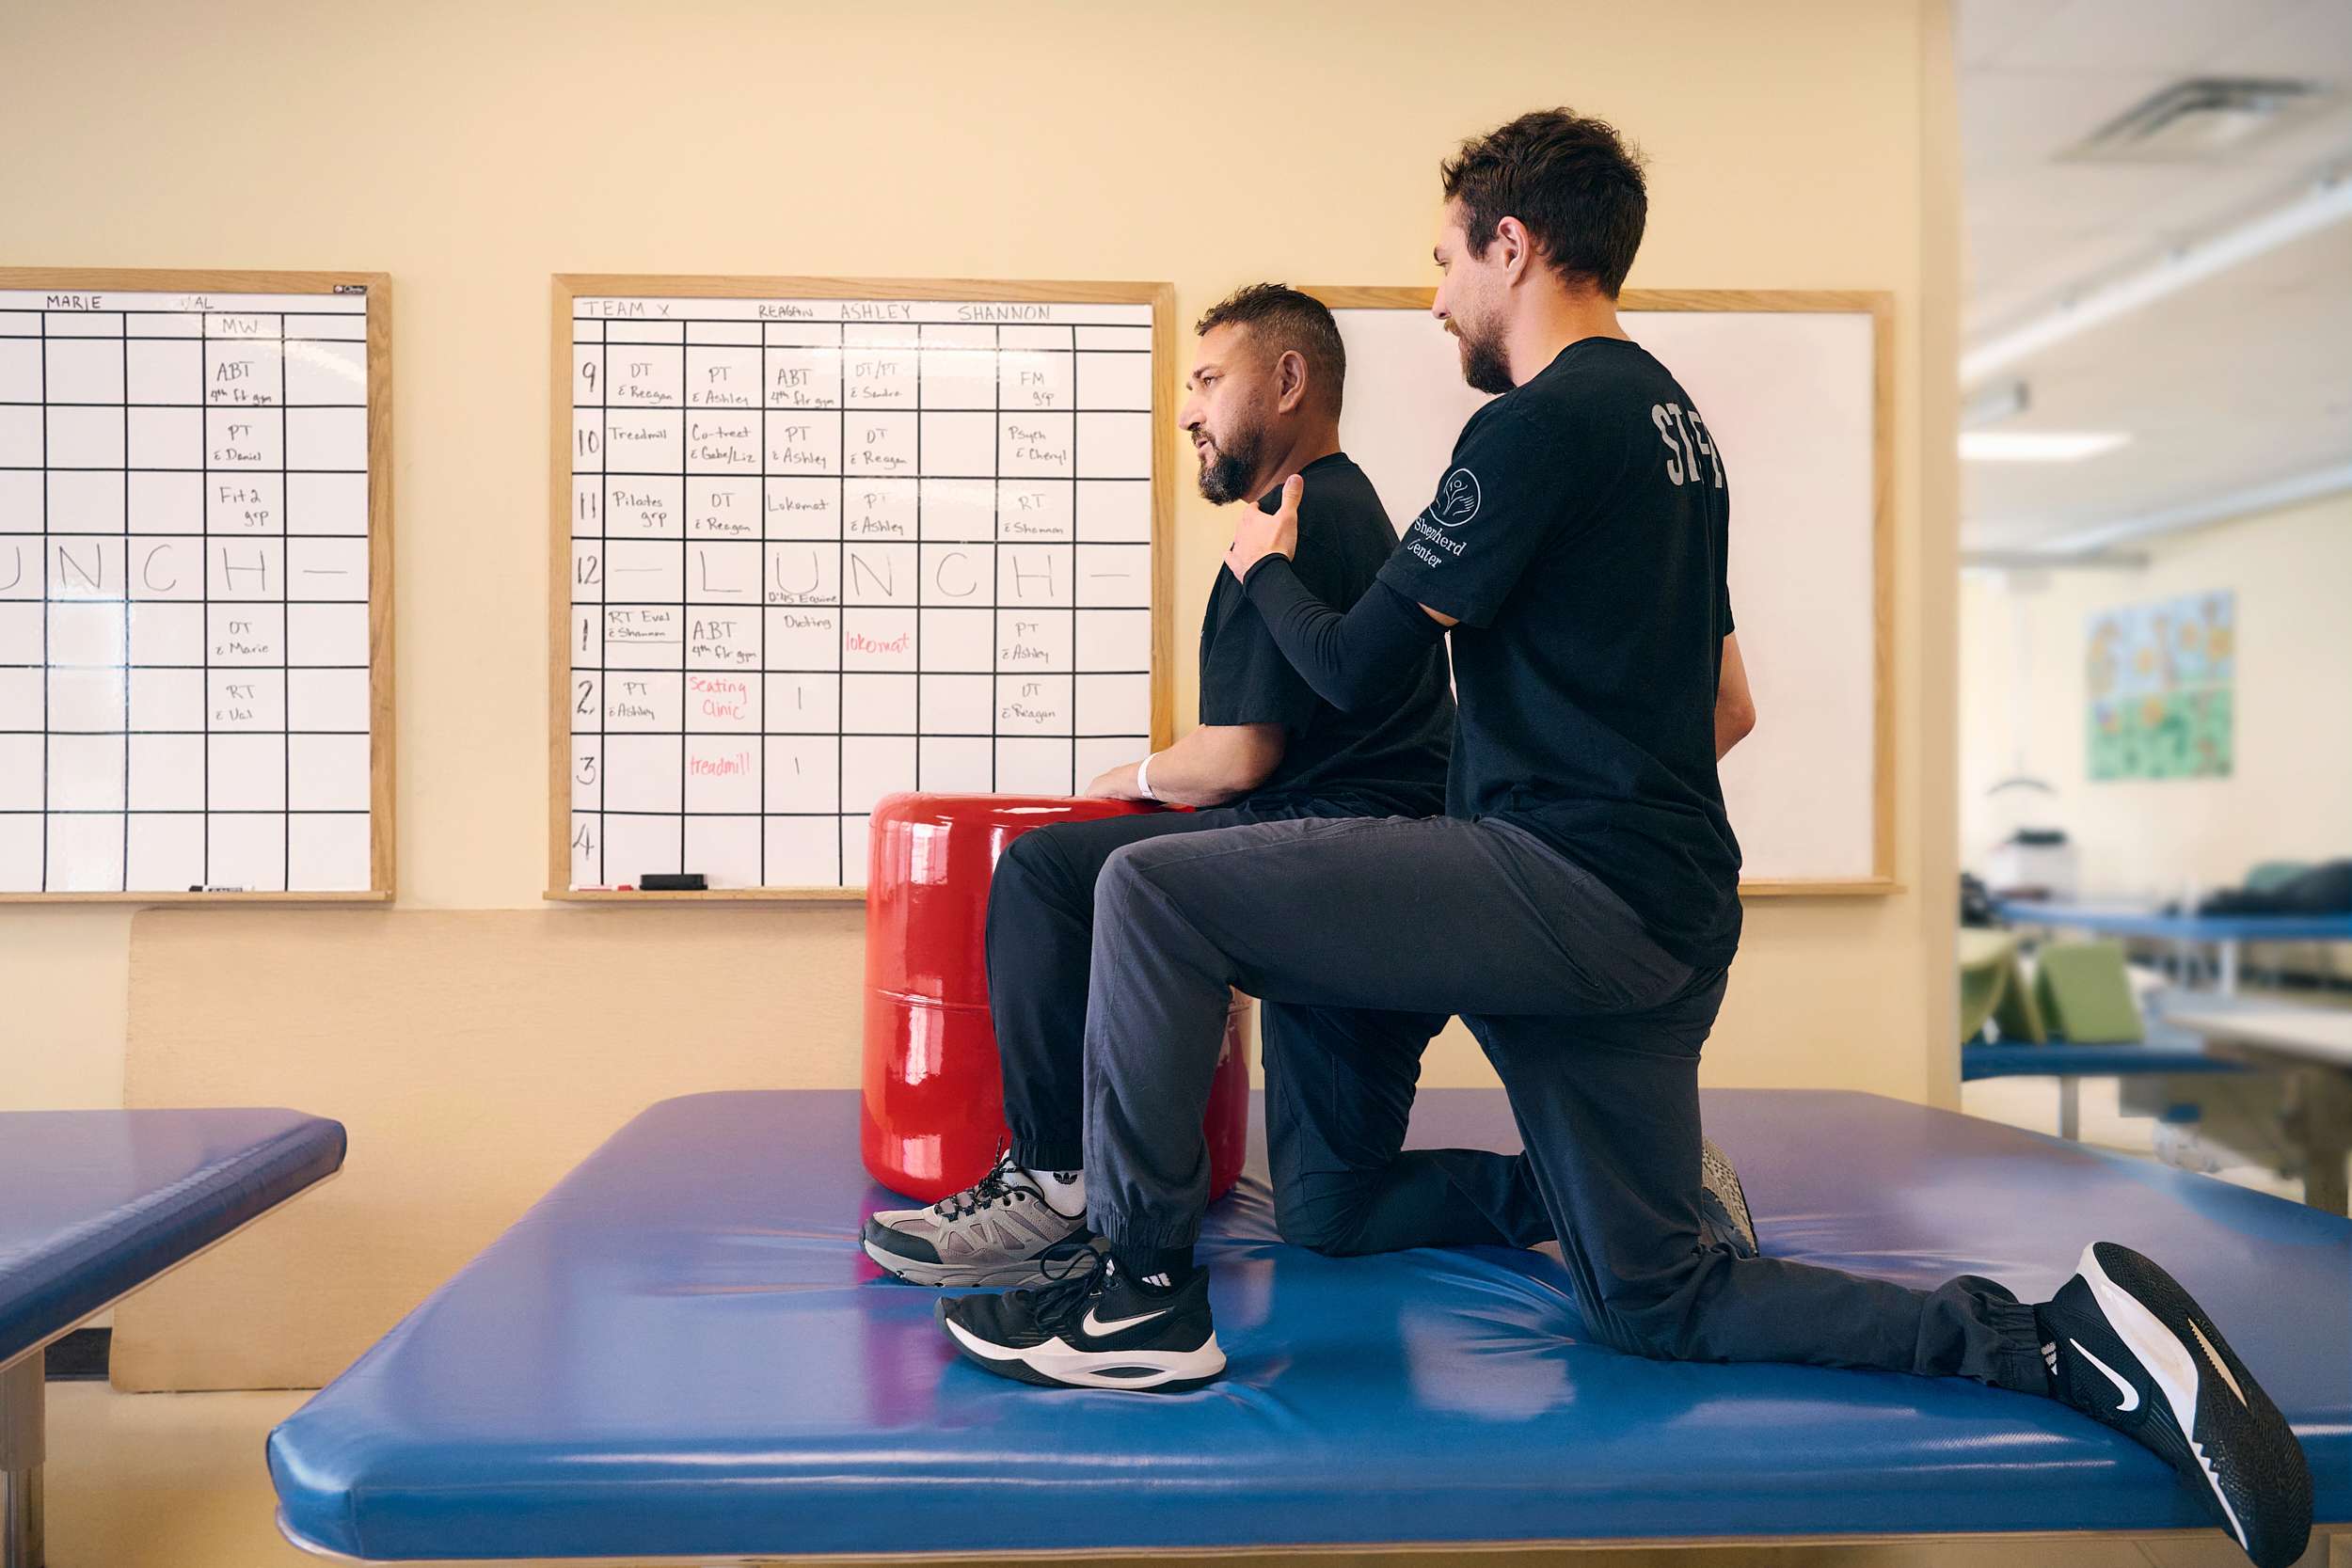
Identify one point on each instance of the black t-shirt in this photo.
(1581, 534)
(1386, 761)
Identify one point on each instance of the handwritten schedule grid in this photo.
(183, 591)
(823, 550)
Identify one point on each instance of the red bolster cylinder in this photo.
(933, 1113)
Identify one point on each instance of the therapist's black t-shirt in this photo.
(1579, 534)
(1390, 761)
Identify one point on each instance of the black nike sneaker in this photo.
(2129, 1348)
(1096, 1329)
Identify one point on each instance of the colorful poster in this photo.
(2161, 677)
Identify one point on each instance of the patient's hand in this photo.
(1116, 784)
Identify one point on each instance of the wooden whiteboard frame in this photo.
(382, 771)
(1880, 306)
(567, 287)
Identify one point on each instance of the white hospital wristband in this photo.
(1143, 778)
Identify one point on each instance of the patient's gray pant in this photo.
(1593, 1027)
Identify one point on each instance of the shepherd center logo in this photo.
(1457, 500)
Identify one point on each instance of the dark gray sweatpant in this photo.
(1595, 1030)
(1339, 1081)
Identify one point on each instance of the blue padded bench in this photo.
(681, 1351)
(2058, 1059)
(94, 1204)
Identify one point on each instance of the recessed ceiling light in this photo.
(2037, 445)
(2206, 117)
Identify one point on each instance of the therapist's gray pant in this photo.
(1593, 1029)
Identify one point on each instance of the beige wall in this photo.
(2289, 795)
(470, 151)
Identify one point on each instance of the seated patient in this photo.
(1265, 403)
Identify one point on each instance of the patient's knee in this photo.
(1033, 866)
(1032, 855)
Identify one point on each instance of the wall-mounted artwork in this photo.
(2161, 678)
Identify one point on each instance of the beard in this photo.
(1484, 366)
(1225, 470)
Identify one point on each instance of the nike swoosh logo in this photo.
(1096, 1326)
(2221, 1366)
(2131, 1395)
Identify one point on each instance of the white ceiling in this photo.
(2242, 379)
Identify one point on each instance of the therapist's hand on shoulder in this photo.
(1258, 535)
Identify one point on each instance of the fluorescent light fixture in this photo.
(2267, 496)
(2003, 401)
(2037, 560)
(2329, 202)
(2037, 445)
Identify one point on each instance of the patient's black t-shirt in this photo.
(1390, 761)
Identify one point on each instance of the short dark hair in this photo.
(1286, 318)
(1572, 179)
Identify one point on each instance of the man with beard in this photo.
(1578, 904)
(1264, 404)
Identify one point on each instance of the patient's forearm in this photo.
(1208, 767)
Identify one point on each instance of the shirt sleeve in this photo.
(1245, 678)
(1495, 510)
(1352, 660)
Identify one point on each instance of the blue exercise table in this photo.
(682, 1353)
(2224, 933)
(2166, 1053)
(94, 1204)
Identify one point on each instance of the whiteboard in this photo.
(821, 548)
(1790, 390)
(187, 621)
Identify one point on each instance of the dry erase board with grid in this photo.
(193, 683)
(824, 540)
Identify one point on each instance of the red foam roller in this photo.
(933, 1112)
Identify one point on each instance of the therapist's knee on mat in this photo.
(1323, 1216)
(1661, 1316)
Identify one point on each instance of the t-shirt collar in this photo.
(1328, 460)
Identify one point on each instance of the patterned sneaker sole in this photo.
(2268, 1505)
(1723, 1184)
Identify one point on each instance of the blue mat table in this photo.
(2059, 1059)
(681, 1351)
(94, 1204)
(2225, 933)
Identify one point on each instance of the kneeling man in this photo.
(1264, 404)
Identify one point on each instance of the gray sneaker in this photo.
(1724, 1203)
(1000, 1230)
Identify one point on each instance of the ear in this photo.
(1518, 249)
(1290, 381)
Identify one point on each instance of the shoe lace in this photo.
(1079, 1275)
(995, 1187)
